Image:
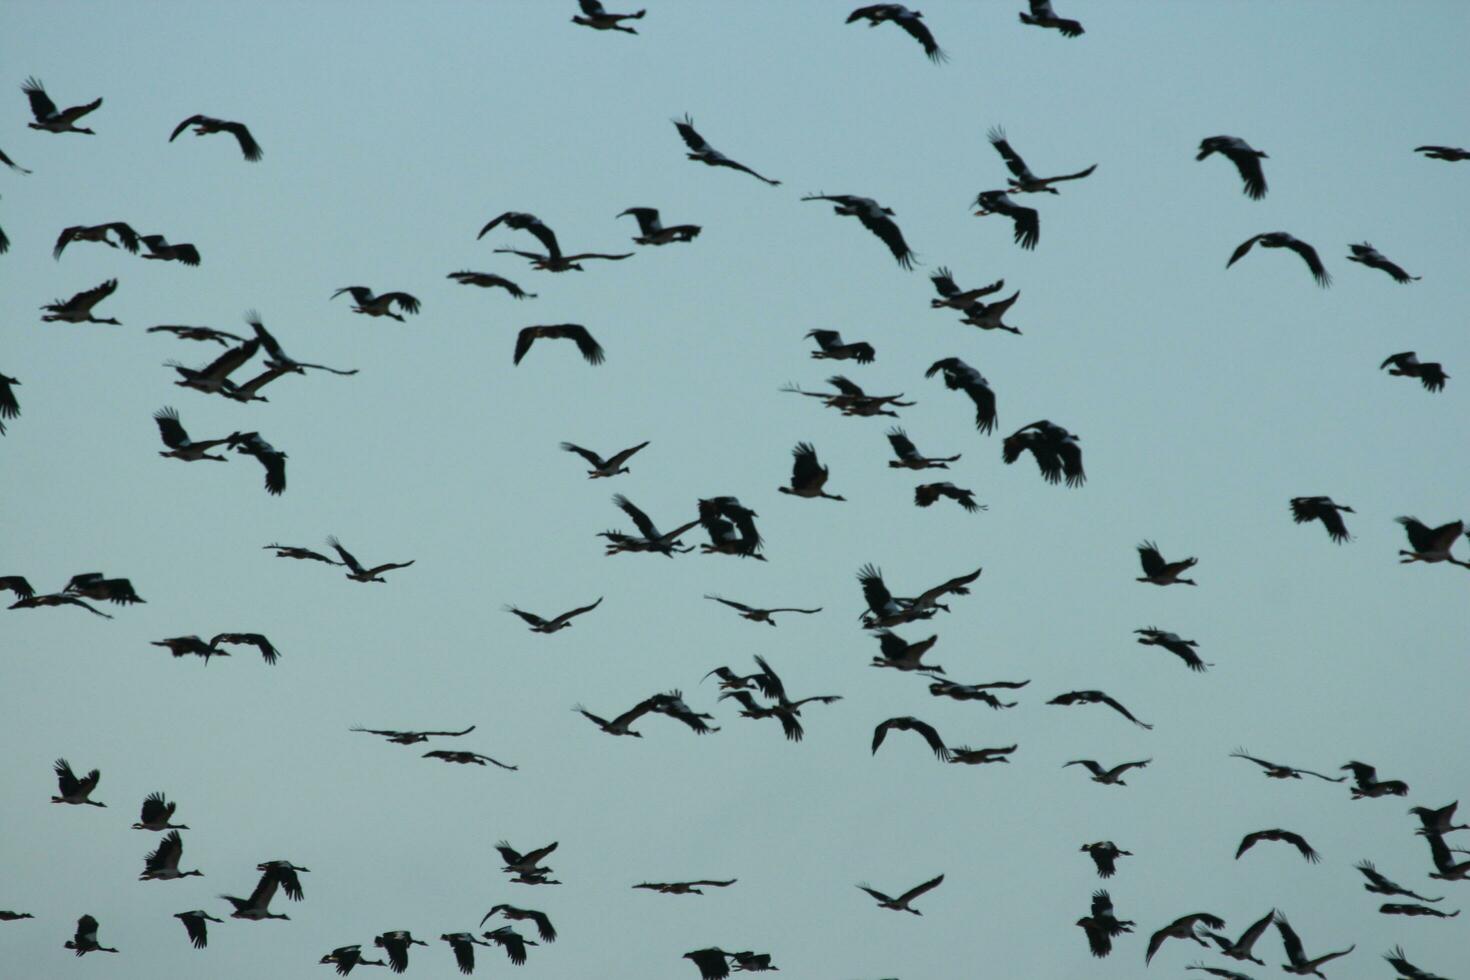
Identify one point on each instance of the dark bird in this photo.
(1450, 153)
(489, 280)
(347, 957)
(1058, 453)
(52, 120)
(808, 476)
(93, 585)
(790, 723)
(1299, 964)
(378, 305)
(1445, 866)
(539, 625)
(1368, 784)
(355, 570)
(1108, 777)
(1102, 926)
(832, 348)
(410, 738)
(1096, 697)
(731, 528)
(649, 537)
(180, 446)
(1240, 949)
(11, 163)
(590, 349)
(55, 599)
(522, 221)
(759, 615)
(652, 231)
(896, 652)
(875, 218)
(1042, 15)
(544, 928)
(751, 962)
(713, 963)
(1306, 509)
(528, 863)
(964, 755)
(1104, 854)
(901, 903)
(596, 17)
(194, 925)
(941, 688)
(85, 940)
(706, 154)
(285, 874)
(731, 681)
(276, 356)
(73, 790)
(1027, 220)
(273, 459)
(18, 585)
(396, 944)
(1023, 181)
(620, 724)
(9, 406)
(1407, 365)
(1182, 928)
(466, 758)
(850, 399)
(990, 316)
(214, 377)
(1277, 771)
(1440, 821)
(157, 812)
(925, 494)
(910, 20)
(163, 863)
(1280, 239)
(909, 457)
(1181, 648)
(78, 309)
(256, 908)
(556, 262)
(1295, 840)
(268, 652)
(1393, 908)
(1156, 571)
(205, 125)
(463, 944)
(671, 703)
(684, 887)
(611, 466)
(126, 237)
(196, 333)
(1431, 544)
(183, 646)
(954, 298)
(1407, 970)
(301, 554)
(959, 376)
(1246, 160)
(884, 609)
(6, 915)
(160, 250)
(1366, 254)
(911, 724)
(1381, 885)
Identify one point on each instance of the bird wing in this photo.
(346, 555)
(874, 591)
(639, 518)
(221, 367)
(577, 612)
(1110, 702)
(1300, 843)
(524, 340)
(932, 737)
(41, 107)
(1151, 559)
(917, 29)
(360, 294)
(1077, 176)
(1249, 166)
(248, 146)
(587, 454)
(406, 303)
(887, 230)
(1309, 256)
(1013, 160)
(1241, 249)
(875, 893)
(691, 137)
(170, 428)
(903, 447)
(918, 890)
(1291, 941)
(11, 163)
(1120, 769)
(91, 297)
(733, 605)
(591, 350)
(805, 470)
(265, 890)
(186, 124)
(956, 586)
(625, 455)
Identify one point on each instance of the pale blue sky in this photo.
(1205, 399)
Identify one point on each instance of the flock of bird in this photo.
(731, 530)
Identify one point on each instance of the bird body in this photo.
(1280, 239)
(85, 940)
(1156, 571)
(1042, 15)
(73, 790)
(808, 476)
(54, 120)
(1108, 777)
(163, 863)
(78, 309)
(1286, 836)
(1306, 509)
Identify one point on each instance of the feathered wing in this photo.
(1309, 256)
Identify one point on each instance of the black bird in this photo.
(909, 20)
(160, 250)
(1181, 648)
(875, 218)
(523, 221)
(808, 475)
(205, 125)
(176, 438)
(214, 377)
(73, 790)
(596, 17)
(489, 280)
(832, 348)
(396, 944)
(1096, 697)
(713, 963)
(347, 957)
(355, 570)
(966, 756)
(1280, 239)
(1368, 784)
(1407, 365)
(909, 457)
(466, 758)
(78, 309)
(684, 887)
(611, 466)
(163, 863)
(652, 231)
(55, 599)
(1108, 777)
(953, 297)
(156, 814)
(556, 262)
(759, 615)
(183, 646)
(1381, 885)
(463, 944)
(1156, 571)
(1393, 908)
(1027, 220)
(276, 356)
(206, 334)
(274, 461)
(671, 703)
(127, 238)
(9, 406)
(1277, 771)
(1058, 453)
(564, 621)
(1450, 153)
(410, 738)
(11, 163)
(959, 376)
(1440, 821)
(54, 120)
(1407, 970)
(1182, 928)
(284, 873)
(911, 724)
(93, 585)
(1300, 965)
(544, 928)
(268, 652)
(706, 154)
(1104, 854)
(1286, 836)
(1240, 949)
(301, 554)
(1431, 544)
(1306, 509)
(850, 399)
(18, 585)
(1042, 15)
(884, 609)
(194, 925)
(1023, 181)
(620, 724)
(731, 528)
(925, 494)
(1101, 926)
(941, 688)
(649, 537)
(901, 903)
(898, 653)
(528, 863)
(590, 349)
(85, 940)
(1246, 160)
(378, 305)
(1366, 254)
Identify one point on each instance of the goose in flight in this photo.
(1300, 965)
(925, 494)
(1108, 777)
(1057, 451)
(652, 231)
(990, 316)
(790, 724)
(256, 908)
(11, 163)
(1440, 821)
(410, 738)
(1280, 239)
(1431, 544)
(301, 554)
(85, 940)
(55, 599)
(1366, 254)
(1307, 509)
(93, 585)
(941, 688)
(772, 687)
(706, 154)
(157, 812)
(590, 349)
(528, 863)
(1105, 854)
(875, 218)
(277, 358)
(73, 790)
(463, 944)
(713, 963)
(1286, 836)
(512, 942)
(180, 446)
(268, 652)
(555, 262)
(1042, 15)
(901, 903)
(649, 537)
(685, 887)
(595, 16)
(54, 120)
(378, 305)
(899, 654)
(964, 755)
(539, 625)
(885, 610)
(126, 237)
(285, 874)
(1407, 365)
(1023, 181)
(489, 280)
(808, 476)
(344, 958)
(959, 376)
(1097, 697)
(214, 377)
(396, 944)
(1445, 866)
(78, 309)
(205, 125)
(731, 528)
(1381, 885)
(1027, 221)
(954, 298)
(163, 863)
(1367, 783)
(911, 724)
(9, 406)
(183, 646)
(671, 703)
(1240, 949)
(910, 20)
(759, 615)
(1182, 928)
(1278, 771)
(1156, 571)
(1450, 153)
(160, 250)
(274, 461)
(466, 758)
(1175, 644)
(1101, 926)
(1246, 160)
(620, 724)
(1399, 961)
(850, 399)
(909, 457)
(220, 337)
(731, 681)
(523, 221)
(611, 466)
(194, 925)
(832, 348)
(544, 928)
(355, 570)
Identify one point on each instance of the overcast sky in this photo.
(1205, 399)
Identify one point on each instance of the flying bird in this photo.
(410, 738)
(1445, 866)
(1240, 949)
(959, 376)
(556, 262)
(356, 571)
(55, 599)
(1407, 365)
(832, 348)
(544, 928)
(396, 944)
(1181, 648)
(590, 349)
(991, 316)
(183, 646)
(206, 334)
(910, 20)
(268, 652)
(1280, 239)
(901, 903)
(1096, 697)
(1156, 571)
(909, 457)
(466, 758)
(652, 231)
(1366, 254)
(205, 125)
(94, 585)
(156, 814)
(54, 120)
(9, 406)
(539, 625)
(1278, 771)
(1450, 153)
(875, 218)
(160, 250)
(898, 653)
(851, 399)
(1027, 221)
(163, 863)
(301, 554)
(1108, 777)
(706, 154)
(214, 377)
(1023, 181)
(1104, 854)
(1286, 836)
(925, 494)
(808, 476)
(1431, 544)
(596, 17)
(1042, 15)
(180, 446)
(684, 887)
(1381, 885)
(1440, 821)
(524, 221)
(1246, 159)
(911, 724)
(489, 280)
(378, 305)
(85, 940)
(964, 755)
(1408, 971)
(285, 874)
(954, 298)
(731, 528)
(941, 688)
(126, 237)
(1182, 928)
(11, 163)
(1102, 926)
(344, 958)
(276, 356)
(78, 309)
(1307, 509)
(463, 945)
(620, 724)
(649, 537)
(1057, 452)
(73, 790)
(759, 615)
(1300, 965)
(1367, 783)
(256, 908)
(611, 466)
(194, 925)
(528, 863)
(274, 461)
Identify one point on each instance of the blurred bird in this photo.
(611, 466)
(1104, 854)
(54, 120)
(596, 17)
(910, 20)
(901, 903)
(1246, 160)
(1181, 648)
(78, 309)
(875, 218)
(832, 348)
(1280, 239)
(590, 349)
(1042, 15)
(652, 231)
(1156, 571)
(378, 305)
(1306, 509)
(488, 280)
(1027, 220)
(126, 237)
(1286, 836)
(1366, 254)
(704, 153)
(205, 125)
(1407, 365)
(1023, 181)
